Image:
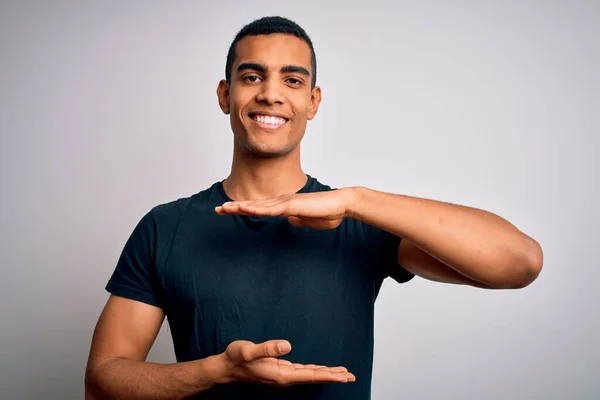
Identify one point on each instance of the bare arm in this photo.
(122, 339)
(441, 241)
(452, 243)
(127, 329)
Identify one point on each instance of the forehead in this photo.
(273, 50)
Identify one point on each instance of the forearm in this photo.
(475, 243)
(120, 378)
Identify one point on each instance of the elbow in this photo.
(519, 271)
(530, 266)
(90, 389)
(90, 385)
(92, 380)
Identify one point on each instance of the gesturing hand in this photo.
(249, 362)
(320, 210)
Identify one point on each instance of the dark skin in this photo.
(271, 75)
(441, 241)
(266, 162)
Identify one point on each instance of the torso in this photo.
(226, 278)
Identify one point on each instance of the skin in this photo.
(259, 85)
(441, 242)
(125, 333)
(266, 163)
(127, 329)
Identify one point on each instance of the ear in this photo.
(223, 96)
(315, 101)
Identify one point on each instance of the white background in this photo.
(109, 108)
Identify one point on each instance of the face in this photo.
(269, 99)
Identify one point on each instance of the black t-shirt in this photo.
(225, 278)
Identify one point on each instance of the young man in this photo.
(270, 259)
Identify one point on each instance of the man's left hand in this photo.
(319, 210)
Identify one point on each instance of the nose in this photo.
(269, 93)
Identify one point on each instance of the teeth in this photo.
(266, 119)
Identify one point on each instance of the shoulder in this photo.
(182, 216)
(175, 209)
(314, 185)
(163, 220)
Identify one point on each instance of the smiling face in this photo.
(269, 98)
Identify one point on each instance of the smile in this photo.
(268, 121)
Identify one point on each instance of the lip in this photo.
(268, 127)
(270, 114)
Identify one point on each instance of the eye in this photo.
(251, 78)
(294, 81)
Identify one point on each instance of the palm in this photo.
(274, 371)
(322, 210)
(256, 363)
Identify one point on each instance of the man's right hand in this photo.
(258, 363)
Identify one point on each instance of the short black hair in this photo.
(269, 26)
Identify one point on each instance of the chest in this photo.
(270, 263)
(257, 283)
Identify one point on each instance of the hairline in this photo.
(313, 82)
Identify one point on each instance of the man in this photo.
(269, 259)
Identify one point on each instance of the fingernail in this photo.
(283, 347)
(227, 203)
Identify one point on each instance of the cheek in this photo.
(236, 106)
(240, 97)
(302, 106)
(236, 113)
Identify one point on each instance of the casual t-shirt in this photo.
(226, 278)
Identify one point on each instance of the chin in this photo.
(268, 151)
(265, 144)
(263, 152)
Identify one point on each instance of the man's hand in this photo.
(257, 363)
(320, 210)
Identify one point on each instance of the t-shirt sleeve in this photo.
(384, 246)
(135, 276)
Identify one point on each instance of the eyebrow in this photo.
(261, 68)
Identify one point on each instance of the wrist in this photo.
(222, 369)
(352, 199)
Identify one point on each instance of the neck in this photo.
(257, 178)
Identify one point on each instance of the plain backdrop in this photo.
(108, 108)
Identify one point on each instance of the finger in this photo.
(228, 210)
(278, 361)
(271, 348)
(235, 204)
(219, 210)
(241, 208)
(312, 375)
(321, 223)
(231, 206)
(264, 203)
(271, 208)
(295, 221)
(336, 369)
(275, 210)
(314, 366)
